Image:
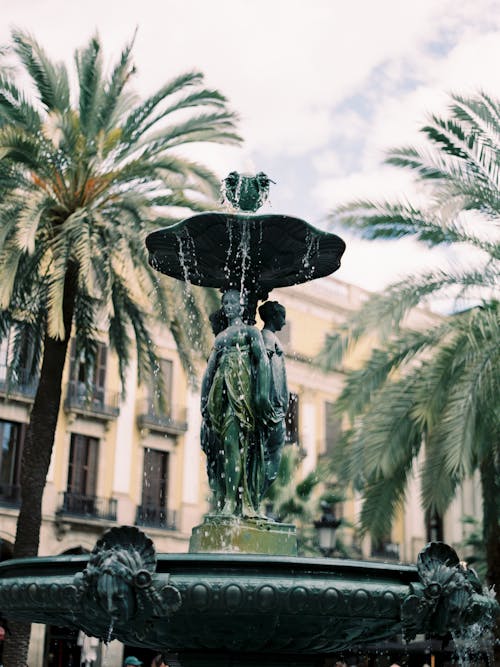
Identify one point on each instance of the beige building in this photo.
(117, 460)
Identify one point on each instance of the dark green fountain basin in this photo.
(221, 604)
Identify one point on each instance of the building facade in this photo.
(118, 459)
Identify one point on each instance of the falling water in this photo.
(312, 250)
(470, 641)
(244, 256)
(110, 632)
(190, 270)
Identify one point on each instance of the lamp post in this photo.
(327, 529)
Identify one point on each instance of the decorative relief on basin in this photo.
(449, 598)
(210, 603)
(119, 581)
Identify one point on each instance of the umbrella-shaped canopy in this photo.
(235, 251)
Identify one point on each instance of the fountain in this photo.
(241, 595)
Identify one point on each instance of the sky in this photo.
(323, 88)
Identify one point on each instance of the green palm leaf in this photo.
(428, 399)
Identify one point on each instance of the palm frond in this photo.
(88, 65)
(383, 313)
(119, 78)
(385, 220)
(50, 80)
(132, 127)
(58, 271)
(15, 108)
(382, 498)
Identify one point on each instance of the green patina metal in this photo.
(219, 604)
(219, 534)
(244, 391)
(205, 606)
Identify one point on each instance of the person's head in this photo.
(273, 314)
(132, 661)
(232, 304)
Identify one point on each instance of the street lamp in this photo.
(327, 529)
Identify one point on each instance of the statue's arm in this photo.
(207, 380)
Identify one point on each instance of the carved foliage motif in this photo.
(449, 597)
(119, 584)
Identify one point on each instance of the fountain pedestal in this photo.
(229, 534)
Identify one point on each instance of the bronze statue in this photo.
(273, 314)
(210, 442)
(235, 406)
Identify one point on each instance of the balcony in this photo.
(385, 551)
(86, 507)
(156, 517)
(20, 388)
(10, 495)
(172, 420)
(91, 401)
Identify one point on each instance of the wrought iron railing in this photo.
(172, 419)
(156, 517)
(10, 495)
(78, 505)
(385, 551)
(18, 385)
(85, 399)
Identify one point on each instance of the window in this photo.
(82, 469)
(18, 371)
(155, 478)
(12, 436)
(292, 419)
(88, 382)
(333, 428)
(154, 511)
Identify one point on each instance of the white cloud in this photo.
(290, 69)
(383, 182)
(283, 63)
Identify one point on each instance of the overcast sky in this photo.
(323, 87)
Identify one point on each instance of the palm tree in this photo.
(83, 179)
(431, 398)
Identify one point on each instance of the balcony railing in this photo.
(156, 517)
(20, 387)
(91, 400)
(10, 495)
(386, 551)
(172, 420)
(77, 505)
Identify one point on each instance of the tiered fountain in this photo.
(241, 596)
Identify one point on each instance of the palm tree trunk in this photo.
(35, 461)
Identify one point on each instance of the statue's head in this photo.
(115, 595)
(274, 314)
(232, 304)
(119, 573)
